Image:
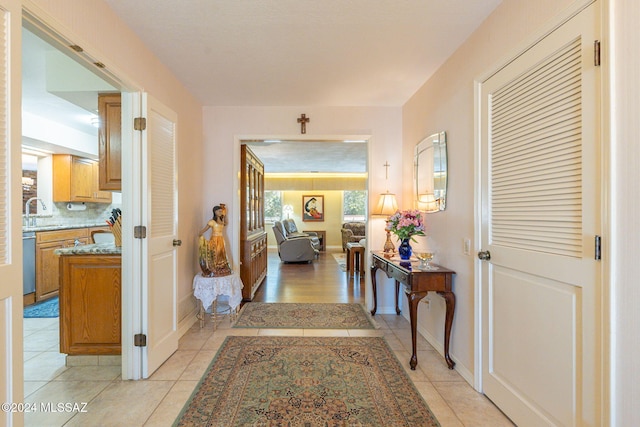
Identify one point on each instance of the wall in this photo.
(446, 103)
(332, 216)
(224, 126)
(93, 25)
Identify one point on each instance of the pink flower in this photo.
(406, 224)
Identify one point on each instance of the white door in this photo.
(540, 308)
(160, 212)
(11, 358)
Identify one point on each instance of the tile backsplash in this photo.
(60, 214)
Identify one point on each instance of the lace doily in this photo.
(207, 289)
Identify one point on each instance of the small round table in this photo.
(207, 289)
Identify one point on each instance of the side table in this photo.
(207, 289)
(322, 236)
(355, 258)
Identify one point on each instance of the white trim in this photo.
(60, 35)
(131, 265)
(235, 220)
(553, 24)
(477, 236)
(608, 134)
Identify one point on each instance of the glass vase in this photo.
(404, 250)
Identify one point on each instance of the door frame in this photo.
(49, 28)
(238, 140)
(605, 315)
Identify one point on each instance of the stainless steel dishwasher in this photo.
(28, 262)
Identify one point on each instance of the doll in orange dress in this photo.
(212, 253)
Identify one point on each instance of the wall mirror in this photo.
(430, 172)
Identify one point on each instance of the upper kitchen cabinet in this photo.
(109, 142)
(75, 179)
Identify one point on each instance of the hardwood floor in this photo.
(320, 281)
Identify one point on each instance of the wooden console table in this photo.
(417, 283)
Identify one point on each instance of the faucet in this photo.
(31, 221)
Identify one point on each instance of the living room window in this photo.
(272, 206)
(354, 205)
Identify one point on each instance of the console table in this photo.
(417, 283)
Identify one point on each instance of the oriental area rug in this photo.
(305, 381)
(304, 316)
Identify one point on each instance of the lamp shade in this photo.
(428, 203)
(287, 210)
(387, 205)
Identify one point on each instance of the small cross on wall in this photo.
(303, 120)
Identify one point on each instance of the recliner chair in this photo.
(294, 248)
(291, 230)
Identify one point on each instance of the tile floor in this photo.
(158, 400)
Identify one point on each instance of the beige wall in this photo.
(93, 25)
(446, 103)
(224, 125)
(332, 216)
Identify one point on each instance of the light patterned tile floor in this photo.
(158, 400)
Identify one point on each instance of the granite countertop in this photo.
(93, 249)
(63, 227)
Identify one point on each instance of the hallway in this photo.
(158, 400)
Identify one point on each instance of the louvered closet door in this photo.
(540, 192)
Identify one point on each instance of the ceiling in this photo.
(303, 52)
(311, 156)
(56, 87)
(273, 53)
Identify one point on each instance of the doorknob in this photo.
(177, 242)
(484, 255)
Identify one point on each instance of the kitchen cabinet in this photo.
(90, 304)
(110, 142)
(75, 179)
(47, 263)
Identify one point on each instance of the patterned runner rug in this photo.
(301, 315)
(305, 381)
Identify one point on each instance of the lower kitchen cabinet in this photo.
(90, 304)
(47, 263)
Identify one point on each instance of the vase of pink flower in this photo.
(405, 225)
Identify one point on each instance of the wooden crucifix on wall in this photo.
(303, 120)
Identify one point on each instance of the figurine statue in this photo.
(212, 253)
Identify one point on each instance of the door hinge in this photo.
(139, 232)
(140, 340)
(598, 248)
(139, 123)
(596, 53)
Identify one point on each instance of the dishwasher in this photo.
(28, 262)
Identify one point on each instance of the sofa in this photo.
(294, 248)
(352, 232)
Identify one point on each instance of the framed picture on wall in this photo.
(313, 208)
